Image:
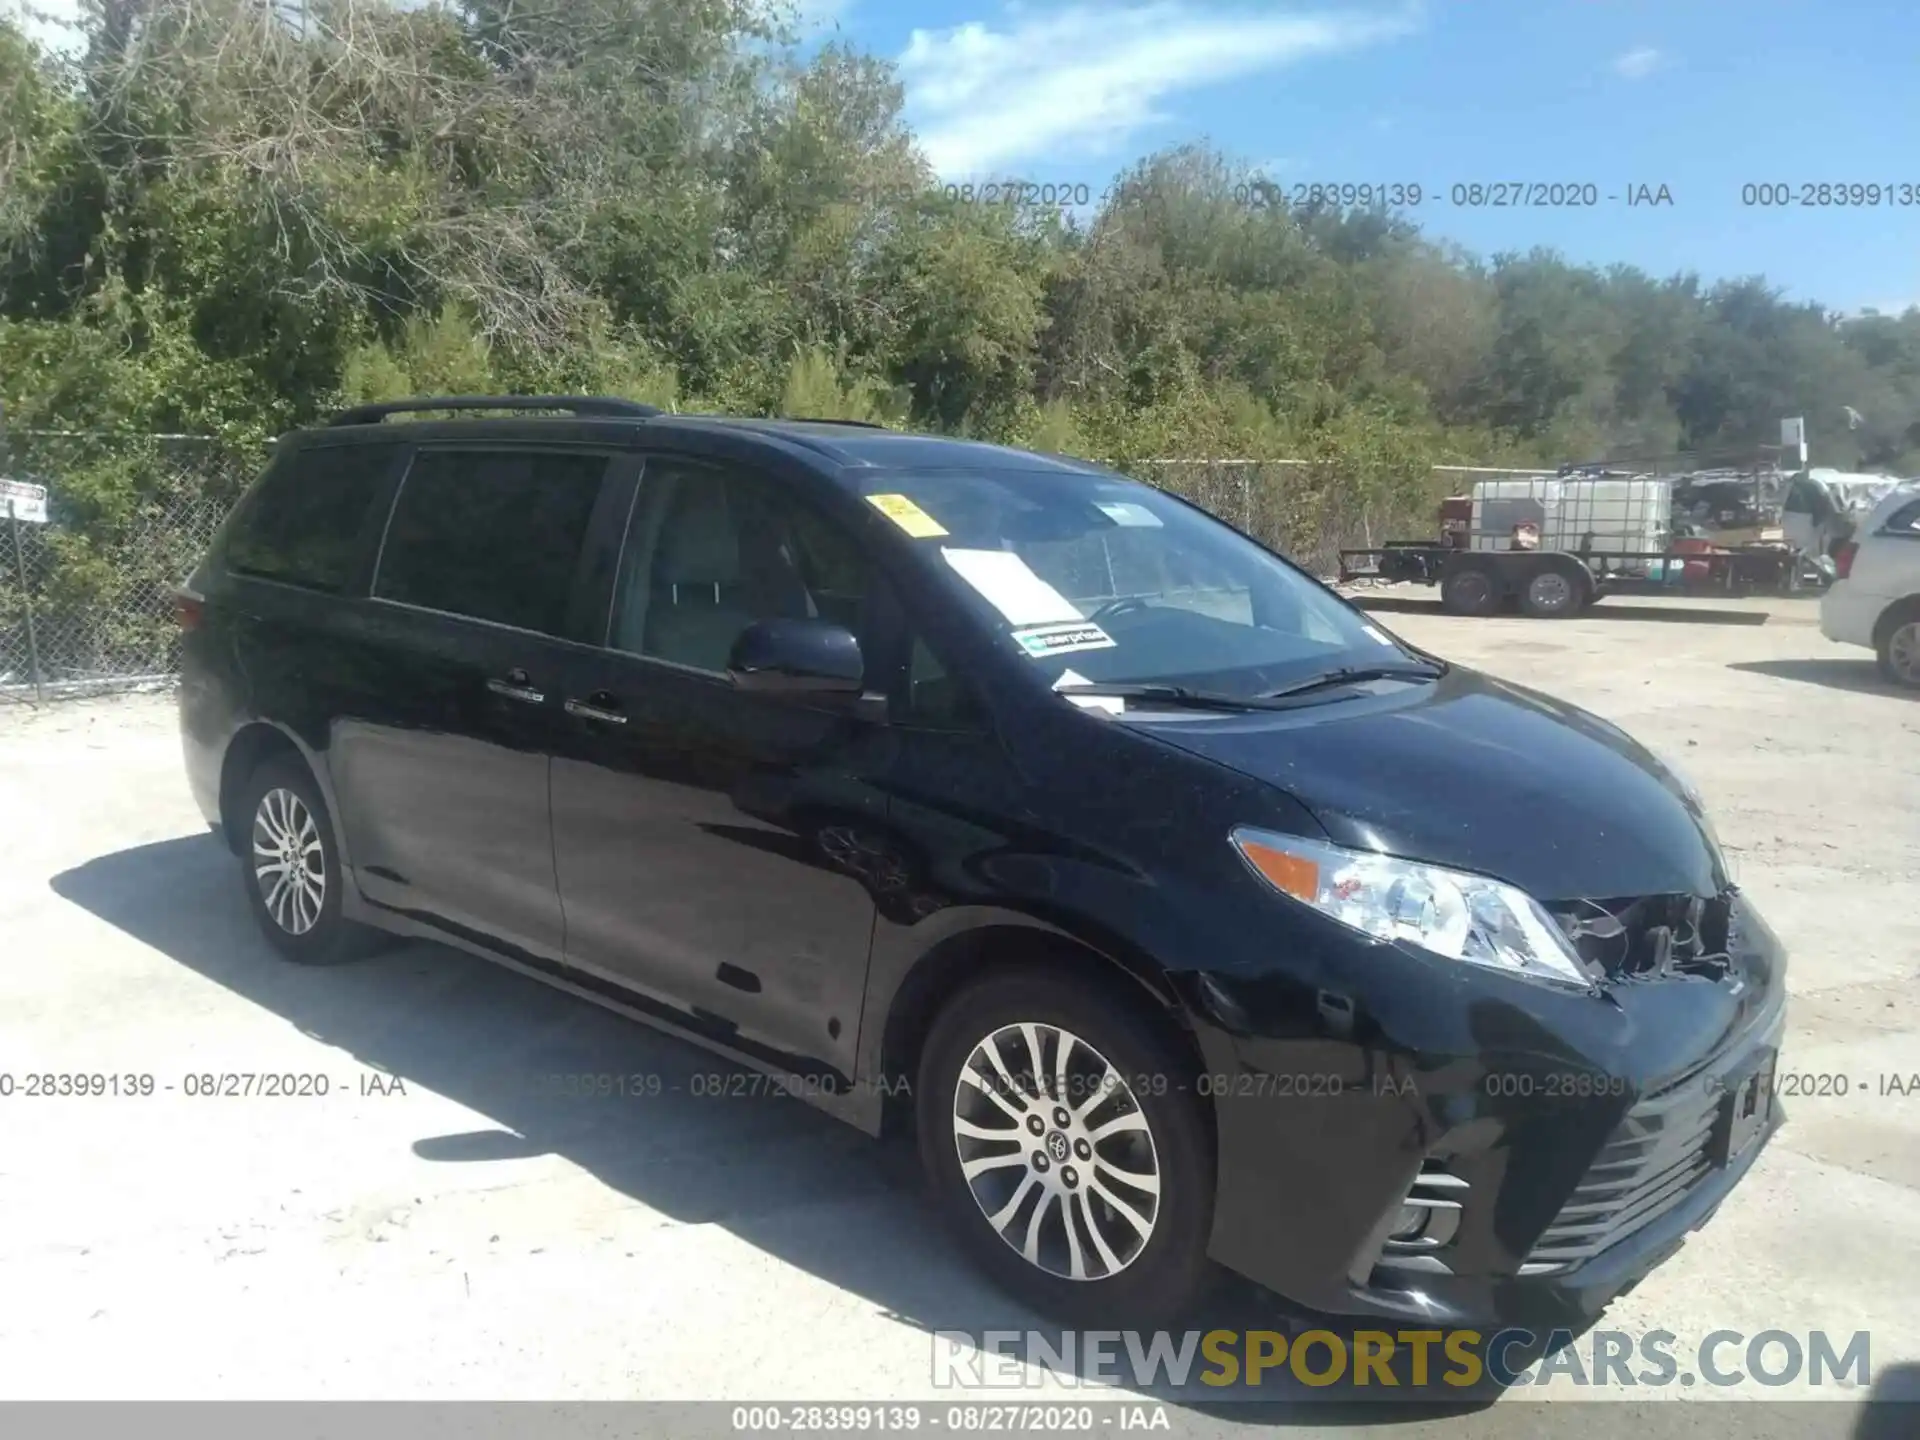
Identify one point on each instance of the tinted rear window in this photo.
(303, 525)
(493, 537)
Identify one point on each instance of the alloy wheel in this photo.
(1903, 653)
(289, 861)
(1057, 1151)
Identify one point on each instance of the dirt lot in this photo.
(461, 1234)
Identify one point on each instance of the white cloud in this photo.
(1082, 80)
(1639, 63)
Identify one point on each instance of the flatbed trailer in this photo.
(1555, 583)
(1553, 544)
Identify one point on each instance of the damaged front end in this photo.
(1652, 935)
(1511, 1151)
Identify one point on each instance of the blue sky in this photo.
(1702, 96)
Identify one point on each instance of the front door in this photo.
(701, 836)
(441, 762)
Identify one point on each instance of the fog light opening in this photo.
(1410, 1224)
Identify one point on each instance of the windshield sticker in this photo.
(1011, 587)
(1044, 641)
(1125, 512)
(1379, 635)
(908, 516)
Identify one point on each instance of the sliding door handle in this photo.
(516, 686)
(595, 712)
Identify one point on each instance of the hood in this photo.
(1480, 775)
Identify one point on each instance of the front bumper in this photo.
(1654, 1182)
(1572, 1141)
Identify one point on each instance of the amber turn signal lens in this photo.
(1298, 878)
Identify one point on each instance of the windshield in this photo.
(1105, 581)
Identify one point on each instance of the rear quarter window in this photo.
(304, 525)
(493, 536)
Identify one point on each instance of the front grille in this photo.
(1654, 1159)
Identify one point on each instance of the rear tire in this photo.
(1899, 652)
(290, 868)
(1102, 1180)
(1553, 592)
(1469, 590)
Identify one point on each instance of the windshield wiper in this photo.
(1354, 675)
(1167, 695)
(1184, 695)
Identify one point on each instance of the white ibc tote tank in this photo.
(1628, 516)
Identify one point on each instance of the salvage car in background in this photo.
(1875, 602)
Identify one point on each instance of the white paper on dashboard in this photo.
(1125, 512)
(1011, 587)
(1111, 704)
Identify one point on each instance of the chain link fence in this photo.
(130, 517)
(1311, 511)
(132, 514)
(1284, 504)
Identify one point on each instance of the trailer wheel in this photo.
(1554, 592)
(1469, 590)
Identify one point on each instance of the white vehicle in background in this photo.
(1876, 600)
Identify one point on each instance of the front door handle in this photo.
(516, 685)
(603, 712)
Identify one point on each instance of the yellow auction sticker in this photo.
(907, 515)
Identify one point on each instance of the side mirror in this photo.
(797, 657)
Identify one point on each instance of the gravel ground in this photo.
(437, 1227)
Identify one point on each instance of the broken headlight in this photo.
(1461, 916)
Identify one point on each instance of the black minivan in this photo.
(1189, 917)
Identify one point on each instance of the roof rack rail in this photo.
(572, 404)
(821, 420)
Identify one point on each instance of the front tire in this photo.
(1065, 1143)
(1470, 590)
(290, 867)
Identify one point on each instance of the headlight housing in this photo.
(1451, 913)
